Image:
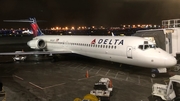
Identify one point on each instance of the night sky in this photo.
(88, 12)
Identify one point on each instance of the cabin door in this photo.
(129, 52)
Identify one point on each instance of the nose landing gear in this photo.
(154, 73)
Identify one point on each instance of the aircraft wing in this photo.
(35, 52)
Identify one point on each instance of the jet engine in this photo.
(37, 44)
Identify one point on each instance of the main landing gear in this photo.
(156, 71)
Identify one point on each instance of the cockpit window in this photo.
(146, 46)
(140, 47)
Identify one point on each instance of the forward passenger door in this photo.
(129, 52)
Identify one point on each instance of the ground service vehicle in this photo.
(103, 89)
(19, 58)
(168, 92)
(88, 97)
(167, 38)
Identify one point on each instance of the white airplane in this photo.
(121, 49)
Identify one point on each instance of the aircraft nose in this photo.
(170, 61)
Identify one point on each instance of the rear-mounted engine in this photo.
(37, 44)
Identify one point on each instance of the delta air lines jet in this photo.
(121, 49)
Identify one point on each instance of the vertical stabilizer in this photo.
(35, 27)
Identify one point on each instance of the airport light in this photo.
(72, 28)
(134, 26)
(79, 28)
(52, 28)
(138, 25)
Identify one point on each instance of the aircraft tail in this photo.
(35, 28)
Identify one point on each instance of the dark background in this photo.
(88, 12)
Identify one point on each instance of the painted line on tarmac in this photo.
(116, 74)
(64, 64)
(107, 72)
(18, 77)
(77, 66)
(54, 85)
(86, 78)
(139, 80)
(98, 70)
(91, 68)
(83, 67)
(35, 85)
(71, 65)
(127, 77)
(151, 80)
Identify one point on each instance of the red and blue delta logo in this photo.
(108, 41)
(93, 41)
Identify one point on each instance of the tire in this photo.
(153, 75)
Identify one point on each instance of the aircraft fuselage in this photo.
(122, 49)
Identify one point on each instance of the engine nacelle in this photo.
(37, 44)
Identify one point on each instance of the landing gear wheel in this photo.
(153, 75)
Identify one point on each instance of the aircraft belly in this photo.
(147, 60)
(106, 55)
(55, 47)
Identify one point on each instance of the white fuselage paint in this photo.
(121, 49)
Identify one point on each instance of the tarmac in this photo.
(40, 79)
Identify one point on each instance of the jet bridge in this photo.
(167, 38)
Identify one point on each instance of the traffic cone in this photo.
(110, 84)
(87, 74)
